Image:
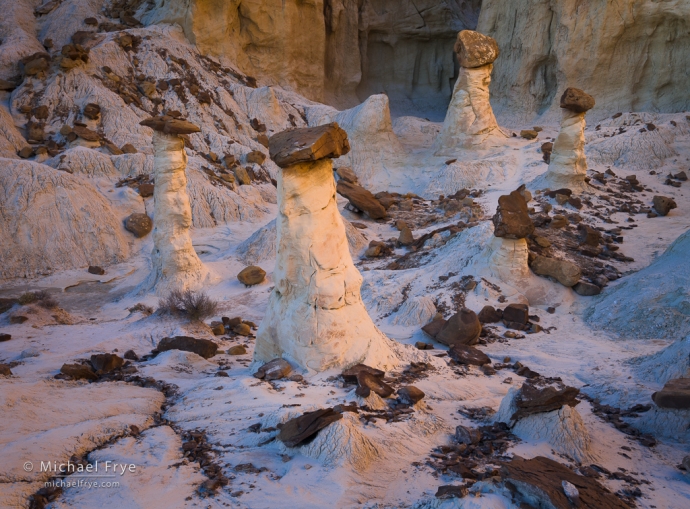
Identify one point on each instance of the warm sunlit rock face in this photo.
(629, 54)
(315, 314)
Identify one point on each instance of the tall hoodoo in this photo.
(568, 165)
(315, 314)
(470, 120)
(176, 265)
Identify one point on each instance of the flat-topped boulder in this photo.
(576, 100)
(308, 144)
(512, 218)
(675, 394)
(475, 49)
(170, 125)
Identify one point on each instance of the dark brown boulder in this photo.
(203, 347)
(586, 289)
(92, 111)
(516, 313)
(256, 157)
(366, 383)
(106, 362)
(169, 125)
(538, 396)
(489, 314)
(512, 218)
(274, 370)
(463, 354)
(588, 236)
(85, 133)
(95, 269)
(5, 370)
(308, 144)
(5, 337)
(350, 374)
(576, 100)
(675, 394)
(538, 482)
(305, 427)
(78, 371)
(410, 395)
(463, 328)
(139, 225)
(435, 326)
(146, 190)
(546, 150)
(663, 205)
(361, 199)
(252, 275)
(475, 49)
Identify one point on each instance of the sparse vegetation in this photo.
(141, 308)
(41, 297)
(196, 306)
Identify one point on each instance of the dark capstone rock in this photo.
(588, 236)
(516, 313)
(489, 314)
(450, 491)
(92, 111)
(361, 199)
(475, 49)
(274, 370)
(78, 371)
(5, 337)
(586, 289)
(251, 275)
(576, 100)
(663, 205)
(675, 394)
(146, 190)
(308, 144)
(512, 217)
(169, 125)
(366, 383)
(350, 374)
(538, 482)
(106, 362)
(435, 326)
(537, 396)
(131, 355)
(468, 436)
(203, 347)
(139, 225)
(464, 354)
(463, 328)
(410, 395)
(305, 427)
(546, 150)
(95, 269)
(5, 370)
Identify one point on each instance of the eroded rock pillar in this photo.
(315, 315)
(568, 164)
(176, 265)
(470, 120)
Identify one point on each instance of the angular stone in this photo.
(489, 314)
(92, 111)
(297, 430)
(237, 350)
(145, 190)
(565, 272)
(663, 205)
(463, 328)
(274, 370)
(361, 199)
(467, 436)
(475, 49)
(576, 100)
(169, 125)
(7, 86)
(78, 371)
(95, 269)
(256, 157)
(536, 396)
(242, 329)
(675, 394)
(308, 144)
(139, 225)
(106, 362)
(113, 149)
(434, 327)
(351, 373)
(251, 275)
(406, 238)
(26, 152)
(463, 354)
(131, 355)
(586, 289)
(347, 174)
(512, 218)
(5, 370)
(85, 133)
(366, 383)
(451, 491)
(35, 131)
(128, 148)
(410, 395)
(588, 236)
(529, 134)
(203, 347)
(516, 313)
(546, 150)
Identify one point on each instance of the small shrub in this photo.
(196, 306)
(141, 308)
(41, 297)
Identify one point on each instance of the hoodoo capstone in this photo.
(315, 314)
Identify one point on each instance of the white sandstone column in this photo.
(315, 315)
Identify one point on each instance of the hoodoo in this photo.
(176, 265)
(315, 314)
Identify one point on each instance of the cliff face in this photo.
(338, 51)
(631, 55)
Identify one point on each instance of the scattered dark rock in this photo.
(78, 372)
(410, 395)
(131, 355)
(5, 370)
(146, 190)
(128, 148)
(463, 328)
(663, 205)
(450, 491)
(516, 313)
(26, 152)
(464, 354)
(546, 150)
(361, 199)
(586, 289)
(538, 395)
(512, 218)
(203, 347)
(85, 133)
(467, 436)
(304, 428)
(92, 111)
(139, 225)
(576, 100)
(251, 275)
(106, 362)
(489, 314)
(274, 370)
(529, 134)
(95, 269)
(5, 337)
(237, 350)
(350, 374)
(366, 383)
(675, 394)
(308, 144)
